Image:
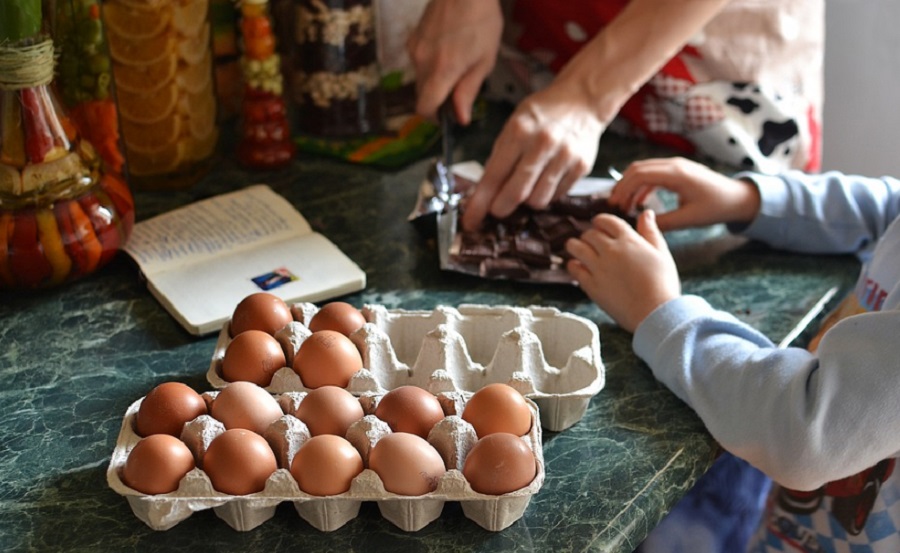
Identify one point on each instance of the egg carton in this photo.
(549, 356)
(452, 437)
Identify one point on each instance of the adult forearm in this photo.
(633, 47)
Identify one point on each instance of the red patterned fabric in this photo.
(690, 104)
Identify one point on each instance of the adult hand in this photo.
(705, 196)
(549, 142)
(627, 273)
(453, 49)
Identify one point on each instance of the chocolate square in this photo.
(557, 234)
(474, 247)
(504, 267)
(531, 250)
(576, 206)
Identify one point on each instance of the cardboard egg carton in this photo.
(550, 357)
(452, 437)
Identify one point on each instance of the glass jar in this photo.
(163, 73)
(335, 77)
(83, 76)
(62, 216)
(265, 134)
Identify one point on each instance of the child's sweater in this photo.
(825, 425)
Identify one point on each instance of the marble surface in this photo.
(73, 359)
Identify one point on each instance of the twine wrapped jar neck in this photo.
(26, 65)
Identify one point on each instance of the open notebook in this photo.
(200, 260)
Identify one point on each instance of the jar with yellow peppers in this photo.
(62, 217)
(265, 134)
(162, 68)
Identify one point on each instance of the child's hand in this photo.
(627, 273)
(705, 197)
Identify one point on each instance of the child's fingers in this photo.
(578, 271)
(582, 251)
(647, 227)
(686, 216)
(640, 179)
(609, 225)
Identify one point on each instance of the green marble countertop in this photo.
(73, 359)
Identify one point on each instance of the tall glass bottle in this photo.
(265, 134)
(62, 216)
(162, 67)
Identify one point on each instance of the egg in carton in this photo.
(452, 437)
(551, 357)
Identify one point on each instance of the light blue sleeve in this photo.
(802, 419)
(822, 213)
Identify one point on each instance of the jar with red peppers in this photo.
(63, 215)
(335, 77)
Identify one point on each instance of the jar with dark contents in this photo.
(63, 212)
(335, 76)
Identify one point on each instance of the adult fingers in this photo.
(495, 174)
(546, 186)
(431, 92)
(466, 90)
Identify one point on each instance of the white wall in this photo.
(861, 110)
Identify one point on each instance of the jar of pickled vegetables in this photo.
(265, 134)
(83, 76)
(62, 215)
(162, 67)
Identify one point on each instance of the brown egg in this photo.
(499, 463)
(166, 408)
(329, 410)
(326, 465)
(498, 408)
(410, 409)
(156, 464)
(327, 358)
(406, 464)
(338, 316)
(260, 311)
(239, 462)
(245, 405)
(254, 356)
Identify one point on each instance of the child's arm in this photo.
(820, 213)
(823, 213)
(802, 419)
